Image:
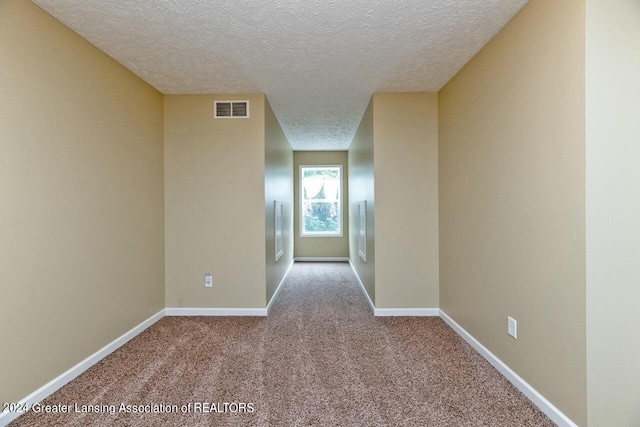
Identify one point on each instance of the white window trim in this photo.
(301, 201)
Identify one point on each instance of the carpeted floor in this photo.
(319, 358)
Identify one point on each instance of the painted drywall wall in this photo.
(321, 246)
(278, 186)
(81, 195)
(214, 203)
(613, 212)
(362, 188)
(405, 135)
(512, 199)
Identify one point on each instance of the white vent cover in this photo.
(231, 109)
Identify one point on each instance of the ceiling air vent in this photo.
(231, 109)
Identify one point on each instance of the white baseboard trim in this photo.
(364, 290)
(321, 259)
(52, 386)
(207, 311)
(532, 394)
(384, 312)
(407, 312)
(58, 382)
(273, 298)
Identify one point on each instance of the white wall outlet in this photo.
(208, 281)
(512, 327)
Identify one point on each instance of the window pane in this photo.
(320, 200)
(321, 217)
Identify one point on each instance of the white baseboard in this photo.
(56, 383)
(407, 312)
(321, 259)
(532, 394)
(364, 290)
(207, 311)
(273, 298)
(384, 312)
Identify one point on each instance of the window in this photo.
(321, 201)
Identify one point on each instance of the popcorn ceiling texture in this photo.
(318, 62)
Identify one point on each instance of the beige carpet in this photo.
(319, 358)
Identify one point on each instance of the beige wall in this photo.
(512, 199)
(278, 186)
(361, 187)
(214, 203)
(405, 135)
(321, 246)
(81, 190)
(613, 212)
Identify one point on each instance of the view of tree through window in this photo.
(321, 201)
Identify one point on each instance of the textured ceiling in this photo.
(318, 62)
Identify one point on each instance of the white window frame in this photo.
(304, 233)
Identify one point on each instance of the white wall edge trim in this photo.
(322, 259)
(407, 312)
(532, 394)
(364, 290)
(275, 294)
(68, 376)
(207, 311)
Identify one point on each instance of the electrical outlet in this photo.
(208, 281)
(512, 327)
